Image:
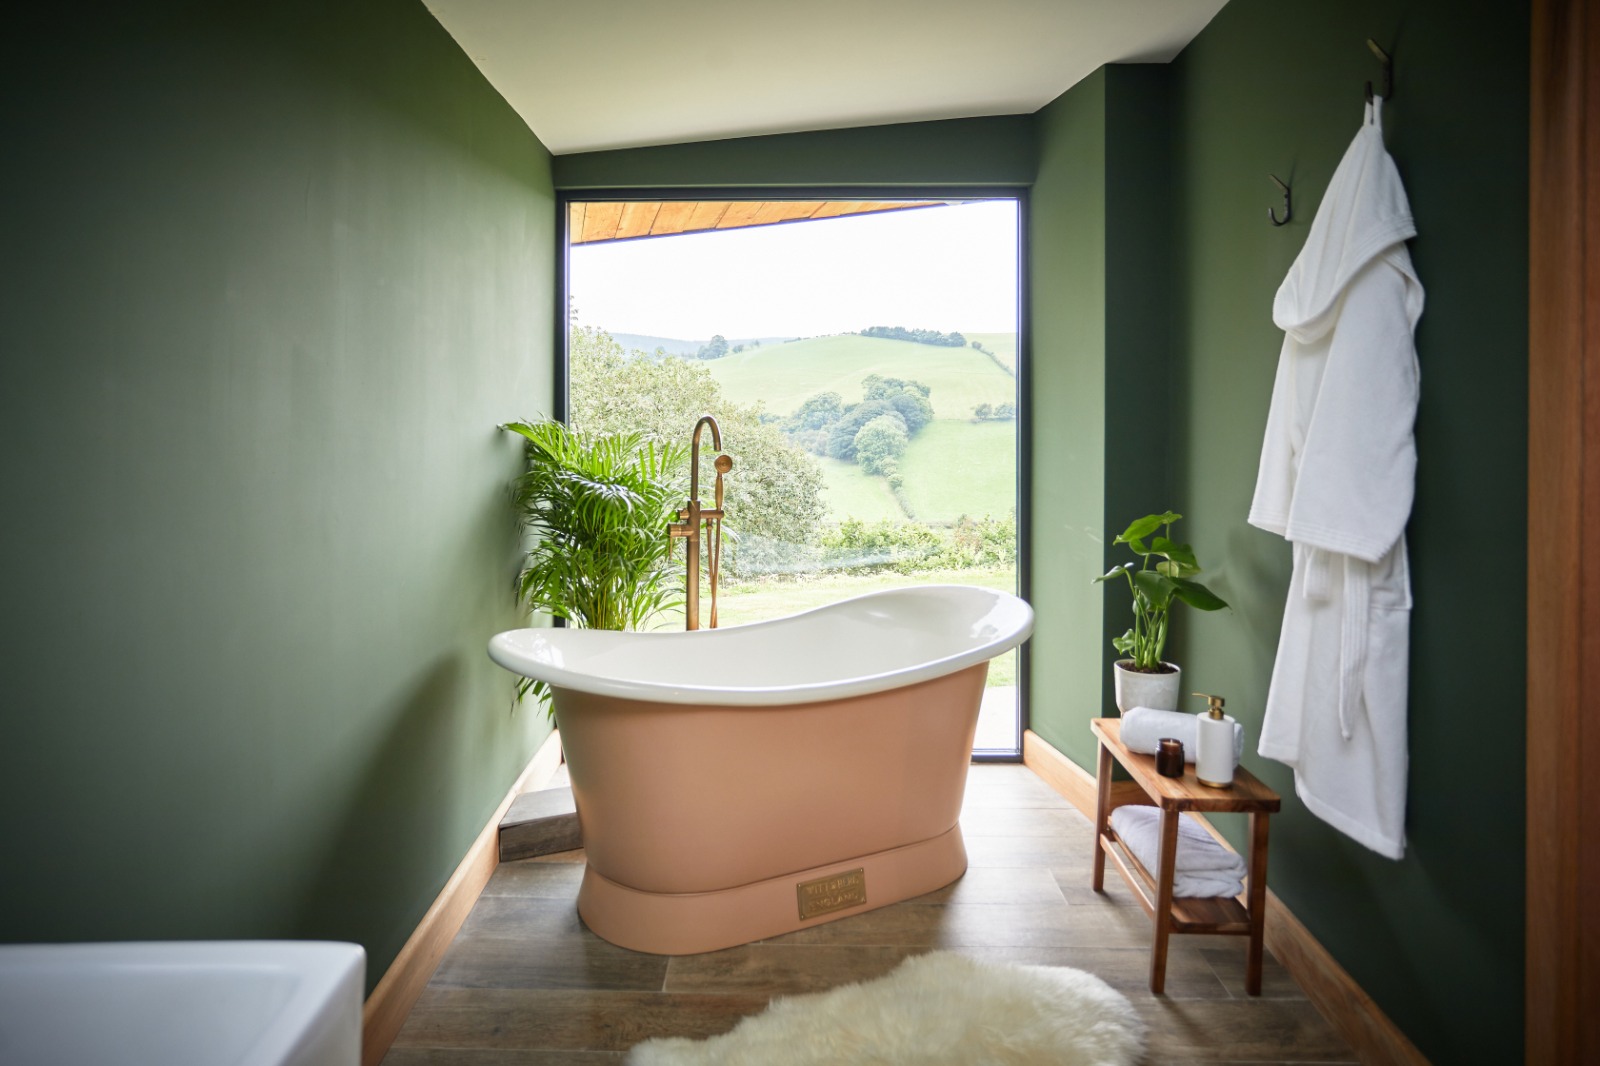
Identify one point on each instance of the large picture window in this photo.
(861, 357)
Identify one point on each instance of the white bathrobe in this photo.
(1336, 480)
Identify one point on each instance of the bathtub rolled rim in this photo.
(504, 651)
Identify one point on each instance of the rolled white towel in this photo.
(1142, 727)
(1198, 852)
(1195, 886)
(1204, 868)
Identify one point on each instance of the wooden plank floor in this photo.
(525, 983)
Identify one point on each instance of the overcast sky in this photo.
(945, 268)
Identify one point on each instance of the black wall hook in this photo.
(1388, 72)
(1288, 207)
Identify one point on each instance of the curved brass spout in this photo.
(694, 451)
(689, 527)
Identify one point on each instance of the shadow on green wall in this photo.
(388, 821)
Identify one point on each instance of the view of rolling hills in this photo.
(956, 465)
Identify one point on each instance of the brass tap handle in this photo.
(723, 464)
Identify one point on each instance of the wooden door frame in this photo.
(1563, 728)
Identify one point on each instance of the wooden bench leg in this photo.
(1102, 811)
(1257, 901)
(1162, 917)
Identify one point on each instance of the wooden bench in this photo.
(1173, 796)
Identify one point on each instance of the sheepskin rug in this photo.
(939, 1009)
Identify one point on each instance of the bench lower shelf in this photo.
(1225, 915)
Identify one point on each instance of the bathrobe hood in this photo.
(1363, 216)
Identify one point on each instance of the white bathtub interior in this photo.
(182, 1003)
(865, 644)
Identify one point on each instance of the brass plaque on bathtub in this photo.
(832, 893)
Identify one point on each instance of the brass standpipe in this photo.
(692, 517)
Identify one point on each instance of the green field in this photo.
(784, 375)
(1004, 345)
(851, 492)
(955, 467)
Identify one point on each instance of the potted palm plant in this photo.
(597, 508)
(1144, 679)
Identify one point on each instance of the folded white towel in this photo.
(1142, 727)
(1204, 868)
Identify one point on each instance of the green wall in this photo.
(1140, 278)
(1436, 939)
(274, 274)
(967, 151)
(1067, 369)
(1101, 275)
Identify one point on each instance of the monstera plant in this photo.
(1162, 576)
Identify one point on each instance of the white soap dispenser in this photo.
(1213, 761)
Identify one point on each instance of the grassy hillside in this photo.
(954, 468)
(1003, 345)
(851, 492)
(784, 375)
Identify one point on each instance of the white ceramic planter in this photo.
(1159, 692)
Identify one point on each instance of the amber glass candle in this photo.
(1169, 757)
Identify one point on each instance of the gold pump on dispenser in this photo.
(1214, 759)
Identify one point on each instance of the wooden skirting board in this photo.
(1071, 780)
(1335, 993)
(408, 975)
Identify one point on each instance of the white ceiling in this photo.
(593, 74)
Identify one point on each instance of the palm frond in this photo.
(597, 508)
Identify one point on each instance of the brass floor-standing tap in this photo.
(690, 520)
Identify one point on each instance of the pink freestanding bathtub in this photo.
(734, 784)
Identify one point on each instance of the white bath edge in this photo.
(520, 651)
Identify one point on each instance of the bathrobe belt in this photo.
(1354, 623)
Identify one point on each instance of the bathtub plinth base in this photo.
(691, 923)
